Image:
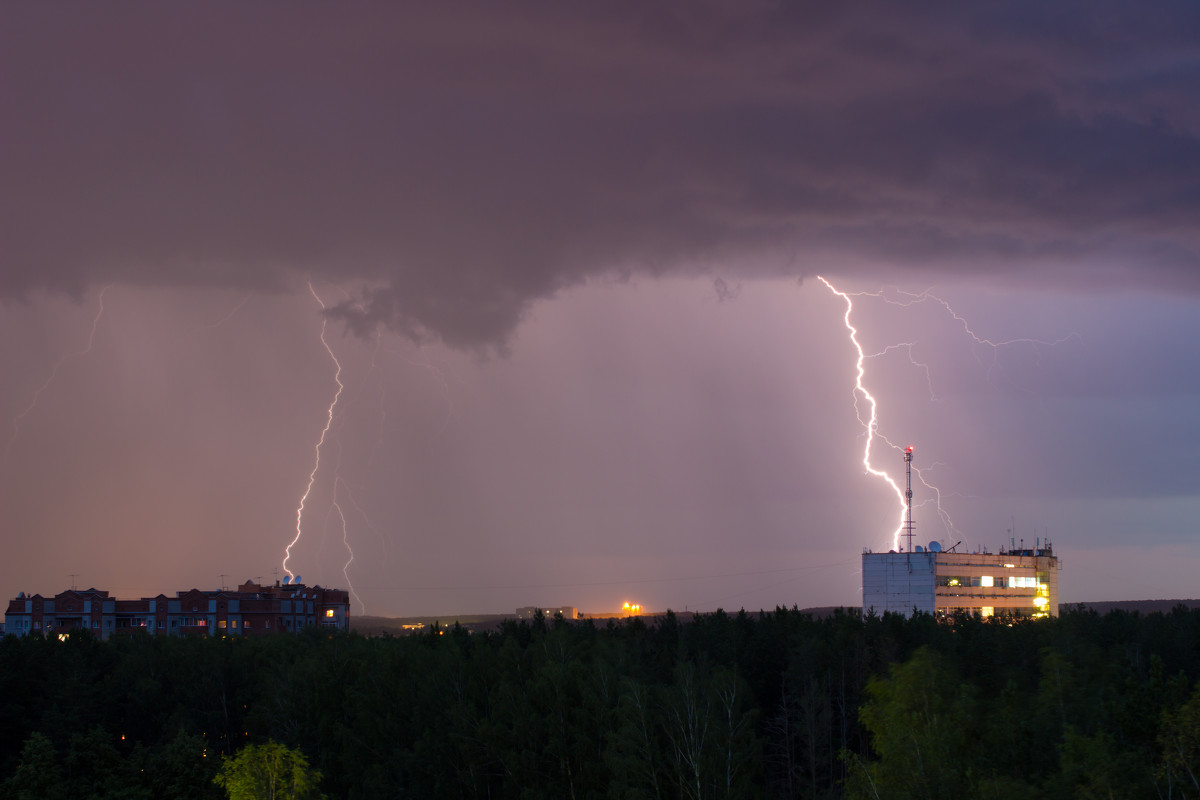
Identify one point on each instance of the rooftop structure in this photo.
(251, 610)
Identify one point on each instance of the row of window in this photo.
(1003, 582)
(25, 623)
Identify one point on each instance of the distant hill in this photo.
(1141, 606)
(378, 626)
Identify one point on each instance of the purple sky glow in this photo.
(569, 256)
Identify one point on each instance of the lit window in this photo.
(986, 580)
(987, 611)
(329, 612)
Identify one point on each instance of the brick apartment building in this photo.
(251, 610)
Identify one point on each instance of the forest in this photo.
(777, 704)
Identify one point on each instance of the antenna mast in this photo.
(908, 522)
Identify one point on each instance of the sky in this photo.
(470, 307)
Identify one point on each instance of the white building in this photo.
(930, 580)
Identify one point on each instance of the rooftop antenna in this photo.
(222, 576)
(908, 522)
(72, 576)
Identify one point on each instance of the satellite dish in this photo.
(297, 579)
(920, 549)
(935, 547)
(287, 579)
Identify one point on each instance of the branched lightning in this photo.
(229, 315)
(346, 540)
(335, 506)
(921, 365)
(943, 515)
(871, 424)
(912, 298)
(16, 423)
(337, 378)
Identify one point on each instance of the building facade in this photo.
(251, 610)
(1016, 582)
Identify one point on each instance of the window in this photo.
(329, 612)
(986, 580)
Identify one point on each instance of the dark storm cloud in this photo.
(461, 162)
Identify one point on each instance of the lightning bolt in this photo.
(921, 365)
(943, 515)
(16, 423)
(871, 424)
(312, 476)
(228, 316)
(337, 506)
(913, 298)
(906, 299)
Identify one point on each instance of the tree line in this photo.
(776, 704)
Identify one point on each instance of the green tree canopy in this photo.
(268, 771)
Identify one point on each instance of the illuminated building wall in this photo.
(1023, 582)
(252, 610)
